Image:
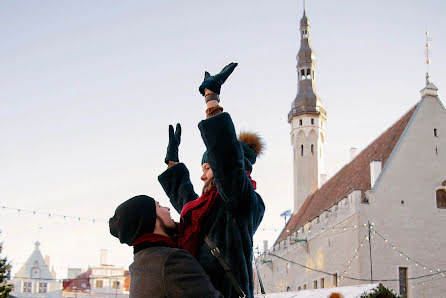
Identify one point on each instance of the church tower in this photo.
(307, 119)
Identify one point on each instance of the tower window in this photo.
(312, 121)
(308, 73)
(302, 74)
(301, 150)
(435, 132)
(300, 121)
(312, 149)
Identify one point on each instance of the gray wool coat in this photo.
(168, 272)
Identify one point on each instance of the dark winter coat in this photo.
(236, 215)
(161, 271)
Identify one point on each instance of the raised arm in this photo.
(224, 151)
(175, 180)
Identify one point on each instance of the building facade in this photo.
(381, 218)
(99, 281)
(34, 278)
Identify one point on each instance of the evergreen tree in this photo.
(5, 274)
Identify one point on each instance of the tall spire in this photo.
(428, 55)
(307, 119)
(306, 100)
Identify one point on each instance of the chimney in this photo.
(323, 178)
(375, 170)
(265, 246)
(47, 261)
(353, 153)
(104, 257)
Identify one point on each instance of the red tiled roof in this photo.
(81, 283)
(354, 175)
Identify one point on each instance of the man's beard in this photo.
(171, 231)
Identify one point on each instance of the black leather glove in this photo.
(174, 142)
(214, 83)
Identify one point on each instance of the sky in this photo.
(88, 89)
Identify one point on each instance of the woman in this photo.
(229, 210)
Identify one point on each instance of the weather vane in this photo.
(428, 55)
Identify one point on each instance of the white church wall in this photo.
(403, 207)
(331, 240)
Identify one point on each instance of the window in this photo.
(116, 285)
(335, 280)
(35, 272)
(43, 287)
(441, 198)
(322, 283)
(99, 283)
(300, 121)
(308, 73)
(312, 149)
(301, 150)
(302, 74)
(299, 288)
(315, 284)
(403, 282)
(27, 287)
(312, 121)
(435, 132)
(305, 286)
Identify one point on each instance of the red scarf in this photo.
(154, 238)
(193, 217)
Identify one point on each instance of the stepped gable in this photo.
(354, 175)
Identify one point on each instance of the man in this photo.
(159, 269)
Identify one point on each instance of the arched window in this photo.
(302, 74)
(312, 149)
(308, 73)
(301, 150)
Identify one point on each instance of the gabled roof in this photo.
(354, 175)
(35, 260)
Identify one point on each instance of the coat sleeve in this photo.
(176, 184)
(225, 156)
(184, 277)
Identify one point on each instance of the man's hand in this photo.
(174, 143)
(214, 83)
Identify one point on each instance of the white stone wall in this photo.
(403, 206)
(331, 242)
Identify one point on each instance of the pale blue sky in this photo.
(88, 89)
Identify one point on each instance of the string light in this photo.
(355, 256)
(408, 258)
(53, 215)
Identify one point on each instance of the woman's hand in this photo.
(213, 83)
(174, 143)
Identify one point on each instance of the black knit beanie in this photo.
(133, 218)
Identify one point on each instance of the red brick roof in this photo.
(354, 175)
